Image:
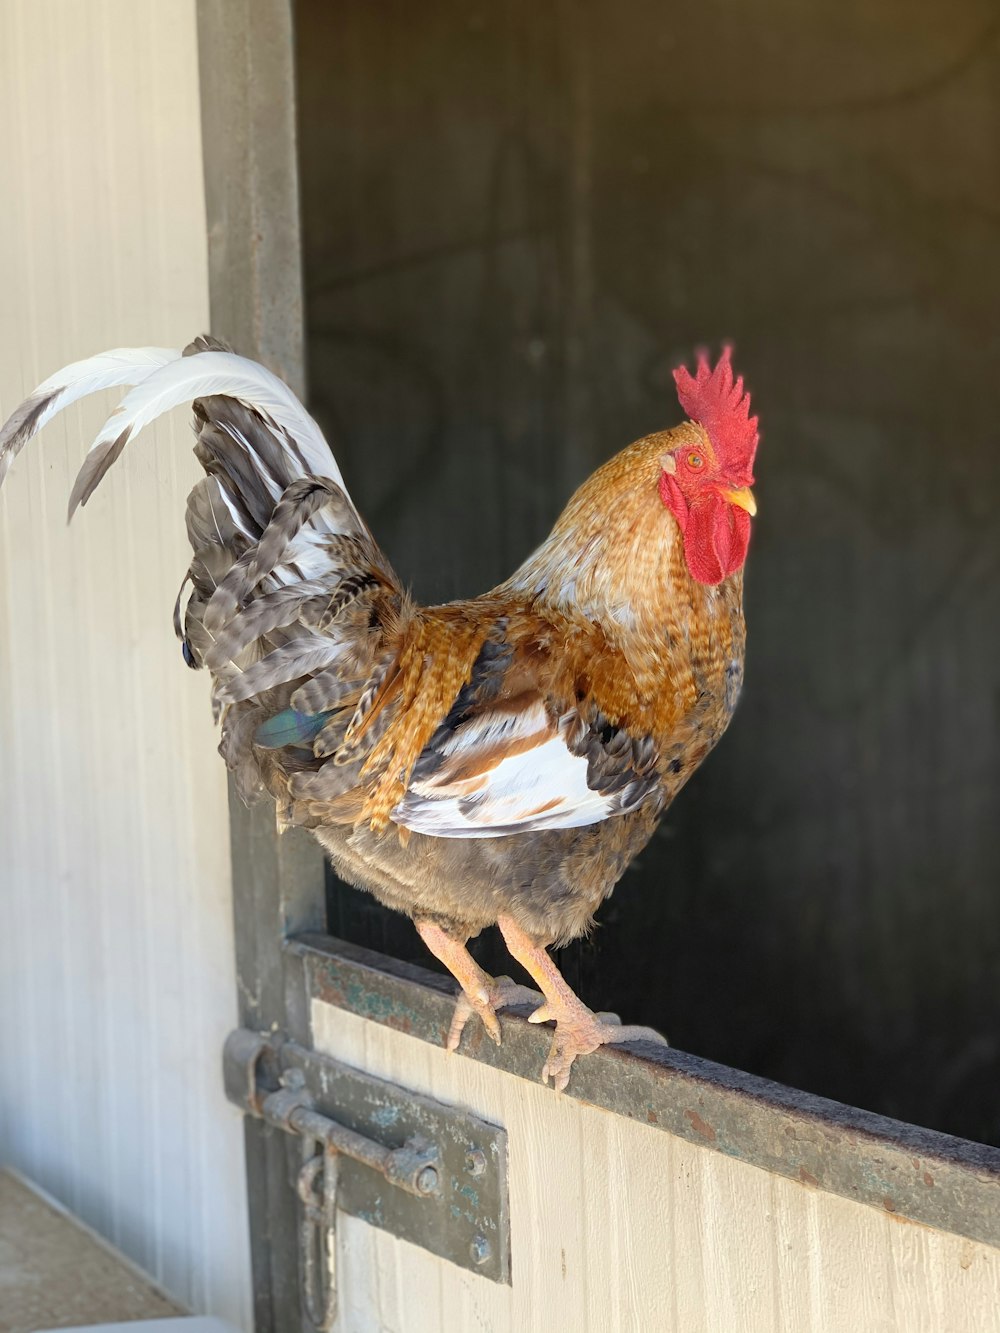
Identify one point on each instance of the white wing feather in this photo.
(543, 788)
(539, 784)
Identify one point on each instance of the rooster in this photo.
(493, 761)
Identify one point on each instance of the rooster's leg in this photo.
(481, 993)
(578, 1030)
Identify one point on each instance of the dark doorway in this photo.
(517, 219)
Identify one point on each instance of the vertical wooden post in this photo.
(251, 189)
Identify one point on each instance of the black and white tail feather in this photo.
(283, 567)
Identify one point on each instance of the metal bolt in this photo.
(479, 1250)
(293, 1079)
(475, 1162)
(427, 1180)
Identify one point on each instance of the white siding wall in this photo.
(618, 1228)
(116, 954)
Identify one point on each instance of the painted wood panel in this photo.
(116, 957)
(618, 1227)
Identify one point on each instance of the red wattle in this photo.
(716, 533)
(716, 537)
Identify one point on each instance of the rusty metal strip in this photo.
(913, 1173)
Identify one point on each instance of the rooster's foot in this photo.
(579, 1031)
(485, 1000)
(481, 994)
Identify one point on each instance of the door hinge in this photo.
(432, 1174)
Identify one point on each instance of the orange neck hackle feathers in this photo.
(616, 559)
(612, 551)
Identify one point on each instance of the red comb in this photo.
(712, 399)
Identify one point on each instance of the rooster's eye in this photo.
(695, 460)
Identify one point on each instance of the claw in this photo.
(543, 1014)
(581, 1033)
(465, 1007)
(500, 994)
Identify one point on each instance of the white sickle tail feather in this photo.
(284, 570)
(124, 365)
(198, 376)
(163, 379)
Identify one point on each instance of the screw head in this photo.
(427, 1180)
(475, 1162)
(480, 1250)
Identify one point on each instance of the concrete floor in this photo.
(55, 1273)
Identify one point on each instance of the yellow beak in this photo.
(743, 498)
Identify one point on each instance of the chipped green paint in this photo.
(346, 989)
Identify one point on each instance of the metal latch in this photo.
(432, 1174)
